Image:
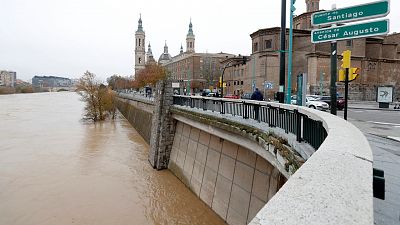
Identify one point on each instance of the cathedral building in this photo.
(193, 71)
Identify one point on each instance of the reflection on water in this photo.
(57, 169)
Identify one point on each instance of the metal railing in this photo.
(299, 124)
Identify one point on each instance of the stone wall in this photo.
(163, 127)
(139, 114)
(234, 181)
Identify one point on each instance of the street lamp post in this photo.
(290, 62)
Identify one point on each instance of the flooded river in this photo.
(57, 169)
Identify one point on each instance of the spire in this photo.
(149, 49)
(190, 32)
(165, 47)
(181, 52)
(140, 27)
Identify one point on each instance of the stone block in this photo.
(208, 186)
(180, 160)
(244, 176)
(255, 206)
(186, 130)
(282, 160)
(184, 144)
(177, 140)
(186, 178)
(221, 196)
(195, 186)
(226, 167)
(273, 183)
(194, 134)
(198, 171)
(213, 159)
(246, 156)
(174, 154)
(230, 149)
(271, 149)
(238, 206)
(192, 147)
(204, 138)
(189, 163)
(201, 154)
(215, 143)
(263, 165)
(261, 185)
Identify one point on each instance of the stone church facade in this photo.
(377, 57)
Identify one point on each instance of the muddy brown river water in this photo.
(57, 169)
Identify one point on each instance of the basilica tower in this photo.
(140, 47)
(190, 39)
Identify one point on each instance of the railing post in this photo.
(245, 116)
(204, 104)
(298, 125)
(222, 107)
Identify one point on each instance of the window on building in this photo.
(255, 47)
(349, 43)
(241, 82)
(139, 42)
(267, 44)
(140, 60)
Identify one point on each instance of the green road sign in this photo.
(351, 14)
(360, 30)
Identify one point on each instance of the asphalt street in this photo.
(382, 129)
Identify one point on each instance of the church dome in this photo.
(165, 56)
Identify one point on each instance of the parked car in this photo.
(340, 102)
(246, 96)
(314, 103)
(231, 96)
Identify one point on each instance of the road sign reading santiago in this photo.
(360, 30)
(351, 14)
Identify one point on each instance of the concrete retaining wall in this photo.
(139, 114)
(234, 181)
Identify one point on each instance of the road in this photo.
(382, 129)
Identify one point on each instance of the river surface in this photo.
(57, 169)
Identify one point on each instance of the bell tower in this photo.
(140, 47)
(312, 5)
(190, 39)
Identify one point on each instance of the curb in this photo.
(382, 109)
(386, 137)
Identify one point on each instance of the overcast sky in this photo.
(68, 37)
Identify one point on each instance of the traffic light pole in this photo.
(346, 92)
(333, 78)
(281, 92)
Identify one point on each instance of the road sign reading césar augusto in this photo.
(351, 14)
(350, 31)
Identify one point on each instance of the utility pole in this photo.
(281, 92)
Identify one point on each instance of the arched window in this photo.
(139, 42)
(140, 60)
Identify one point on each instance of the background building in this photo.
(378, 58)
(51, 81)
(8, 78)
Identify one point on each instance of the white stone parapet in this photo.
(334, 186)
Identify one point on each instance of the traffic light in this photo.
(346, 59)
(353, 73)
(342, 75)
